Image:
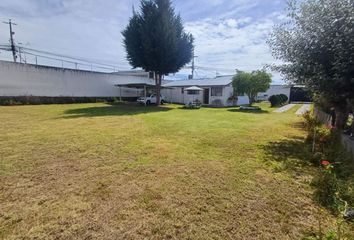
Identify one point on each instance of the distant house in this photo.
(216, 92)
(275, 90)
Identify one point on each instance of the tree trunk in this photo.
(352, 111)
(341, 116)
(250, 97)
(158, 89)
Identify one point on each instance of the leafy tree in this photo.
(251, 83)
(316, 45)
(155, 40)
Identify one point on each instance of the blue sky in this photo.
(230, 34)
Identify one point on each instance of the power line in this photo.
(59, 57)
(76, 63)
(12, 33)
(68, 57)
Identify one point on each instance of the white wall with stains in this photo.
(18, 79)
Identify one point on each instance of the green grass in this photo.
(100, 171)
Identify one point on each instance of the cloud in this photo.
(227, 44)
(229, 33)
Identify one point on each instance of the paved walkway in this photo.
(305, 108)
(285, 108)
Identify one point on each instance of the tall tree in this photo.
(317, 46)
(251, 83)
(155, 40)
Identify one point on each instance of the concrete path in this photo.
(305, 108)
(285, 108)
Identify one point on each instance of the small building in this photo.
(216, 92)
(295, 93)
(300, 93)
(275, 90)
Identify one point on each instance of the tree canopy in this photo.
(155, 39)
(316, 45)
(251, 83)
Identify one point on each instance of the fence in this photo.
(326, 119)
(323, 117)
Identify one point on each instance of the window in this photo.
(193, 92)
(216, 91)
(182, 90)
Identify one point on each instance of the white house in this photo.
(216, 92)
(275, 90)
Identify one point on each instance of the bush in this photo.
(217, 103)
(274, 100)
(34, 100)
(278, 100)
(284, 98)
(326, 189)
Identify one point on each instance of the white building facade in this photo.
(216, 92)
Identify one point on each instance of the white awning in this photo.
(194, 88)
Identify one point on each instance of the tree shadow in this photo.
(114, 109)
(292, 154)
(260, 111)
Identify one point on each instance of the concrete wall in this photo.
(30, 80)
(175, 95)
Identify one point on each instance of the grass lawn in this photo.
(100, 171)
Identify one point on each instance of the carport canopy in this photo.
(143, 86)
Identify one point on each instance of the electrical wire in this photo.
(68, 57)
(94, 63)
(81, 64)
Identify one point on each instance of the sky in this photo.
(229, 34)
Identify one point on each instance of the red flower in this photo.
(325, 163)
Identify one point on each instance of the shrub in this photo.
(283, 98)
(217, 103)
(274, 100)
(278, 100)
(191, 106)
(35, 100)
(326, 189)
(310, 122)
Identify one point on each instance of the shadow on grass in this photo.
(291, 154)
(114, 109)
(260, 111)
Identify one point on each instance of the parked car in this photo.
(263, 97)
(151, 99)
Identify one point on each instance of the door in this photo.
(206, 96)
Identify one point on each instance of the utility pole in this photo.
(12, 41)
(193, 65)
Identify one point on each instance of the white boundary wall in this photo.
(30, 80)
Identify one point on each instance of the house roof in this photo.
(134, 80)
(138, 73)
(137, 82)
(218, 81)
